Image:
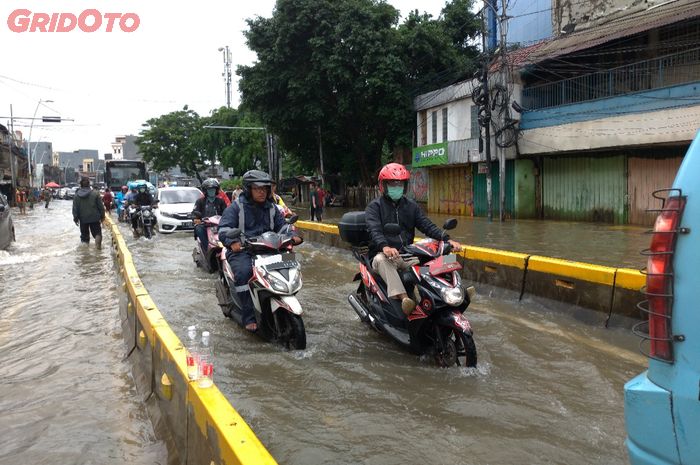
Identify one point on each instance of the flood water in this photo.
(548, 388)
(597, 243)
(66, 396)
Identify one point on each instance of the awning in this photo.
(632, 23)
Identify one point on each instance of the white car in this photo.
(175, 205)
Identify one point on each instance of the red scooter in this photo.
(209, 261)
(437, 326)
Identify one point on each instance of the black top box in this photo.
(353, 229)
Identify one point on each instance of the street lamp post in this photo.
(227, 73)
(29, 142)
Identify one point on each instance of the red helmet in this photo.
(392, 172)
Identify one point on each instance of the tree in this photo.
(326, 69)
(170, 140)
(182, 139)
(344, 73)
(239, 149)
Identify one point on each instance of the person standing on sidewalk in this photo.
(313, 200)
(88, 212)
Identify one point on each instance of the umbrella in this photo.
(52, 184)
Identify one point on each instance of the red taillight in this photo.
(659, 288)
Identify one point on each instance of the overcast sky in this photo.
(110, 83)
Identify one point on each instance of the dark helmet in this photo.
(210, 183)
(256, 178)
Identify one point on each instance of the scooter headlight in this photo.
(146, 213)
(453, 296)
(295, 282)
(276, 283)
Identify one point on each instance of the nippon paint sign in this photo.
(427, 155)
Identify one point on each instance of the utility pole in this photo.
(227, 73)
(10, 145)
(502, 151)
(487, 116)
(320, 152)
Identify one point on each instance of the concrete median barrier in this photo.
(202, 427)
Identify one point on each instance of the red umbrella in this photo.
(52, 184)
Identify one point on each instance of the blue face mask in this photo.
(211, 193)
(395, 192)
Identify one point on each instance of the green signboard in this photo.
(427, 155)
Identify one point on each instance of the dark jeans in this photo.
(200, 232)
(87, 228)
(242, 266)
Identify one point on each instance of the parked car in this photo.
(7, 229)
(662, 405)
(175, 205)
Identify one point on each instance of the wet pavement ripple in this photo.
(67, 397)
(548, 388)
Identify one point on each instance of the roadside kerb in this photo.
(601, 288)
(201, 423)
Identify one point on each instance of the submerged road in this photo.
(548, 388)
(66, 394)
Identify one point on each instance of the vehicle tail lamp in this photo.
(659, 286)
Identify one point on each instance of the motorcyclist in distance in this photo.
(141, 199)
(394, 207)
(254, 213)
(208, 205)
(120, 198)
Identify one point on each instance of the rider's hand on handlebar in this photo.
(236, 247)
(390, 252)
(456, 246)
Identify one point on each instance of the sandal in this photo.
(252, 327)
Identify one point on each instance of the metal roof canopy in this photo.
(633, 23)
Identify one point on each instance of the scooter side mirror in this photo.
(392, 229)
(292, 219)
(450, 223)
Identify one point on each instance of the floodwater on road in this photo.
(67, 396)
(596, 243)
(548, 388)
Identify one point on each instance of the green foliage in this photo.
(338, 73)
(182, 138)
(345, 73)
(169, 140)
(230, 184)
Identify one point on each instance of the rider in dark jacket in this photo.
(141, 199)
(259, 215)
(394, 207)
(208, 205)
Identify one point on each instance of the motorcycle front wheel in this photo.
(148, 231)
(294, 331)
(466, 349)
(458, 348)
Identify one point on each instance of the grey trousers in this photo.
(387, 269)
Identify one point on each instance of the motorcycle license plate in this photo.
(287, 260)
